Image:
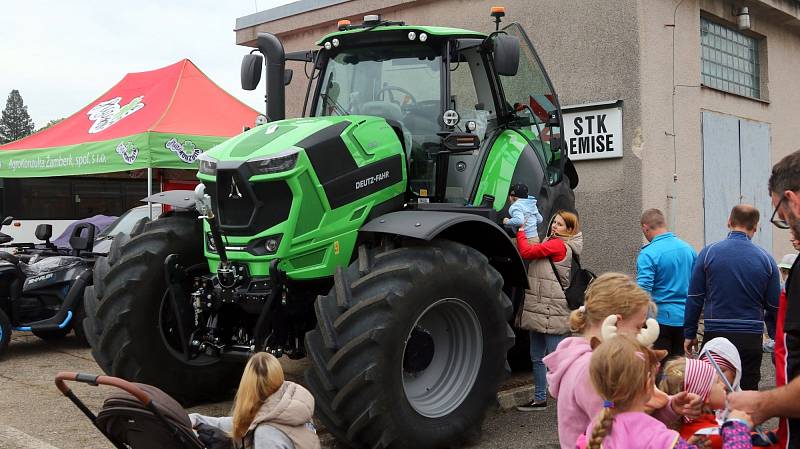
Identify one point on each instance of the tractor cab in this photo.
(448, 94)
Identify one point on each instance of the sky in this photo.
(62, 55)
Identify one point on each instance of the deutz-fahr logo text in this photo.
(108, 112)
(186, 151)
(36, 279)
(372, 180)
(128, 151)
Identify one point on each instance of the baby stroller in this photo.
(137, 416)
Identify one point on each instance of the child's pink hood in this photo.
(568, 381)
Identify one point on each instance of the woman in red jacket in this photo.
(545, 313)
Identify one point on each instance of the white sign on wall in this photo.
(593, 131)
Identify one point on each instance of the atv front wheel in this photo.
(129, 326)
(410, 347)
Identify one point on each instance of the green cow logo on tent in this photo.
(186, 151)
(128, 151)
(108, 112)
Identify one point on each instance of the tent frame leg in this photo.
(150, 190)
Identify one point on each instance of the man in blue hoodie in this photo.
(663, 269)
(736, 285)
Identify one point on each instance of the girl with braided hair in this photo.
(614, 304)
(623, 371)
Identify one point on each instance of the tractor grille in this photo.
(246, 208)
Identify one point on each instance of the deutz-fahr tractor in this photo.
(366, 235)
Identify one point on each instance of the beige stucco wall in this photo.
(782, 111)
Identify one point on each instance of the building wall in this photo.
(778, 22)
(591, 50)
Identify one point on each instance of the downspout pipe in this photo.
(271, 47)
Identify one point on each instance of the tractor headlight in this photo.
(210, 242)
(273, 164)
(208, 165)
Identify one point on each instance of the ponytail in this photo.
(577, 320)
(601, 429)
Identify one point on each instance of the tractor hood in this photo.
(272, 138)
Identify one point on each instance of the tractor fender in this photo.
(471, 230)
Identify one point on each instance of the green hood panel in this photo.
(271, 138)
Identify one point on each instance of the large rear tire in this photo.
(410, 347)
(5, 332)
(126, 326)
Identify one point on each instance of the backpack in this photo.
(579, 280)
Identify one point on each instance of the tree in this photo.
(15, 123)
(50, 123)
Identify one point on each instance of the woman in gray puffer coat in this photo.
(268, 412)
(545, 313)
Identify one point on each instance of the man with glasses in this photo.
(784, 401)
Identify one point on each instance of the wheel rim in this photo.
(441, 357)
(166, 322)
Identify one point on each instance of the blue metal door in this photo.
(721, 168)
(754, 142)
(736, 168)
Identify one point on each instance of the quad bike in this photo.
(364, 235)
(41, 287)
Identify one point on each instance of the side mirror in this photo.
(251, 71)
(506, 54)
(7, 221)
(287, 76)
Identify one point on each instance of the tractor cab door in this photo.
(536, 106)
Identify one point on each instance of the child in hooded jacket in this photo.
(523, 211)
(623, 371)
(568, 367)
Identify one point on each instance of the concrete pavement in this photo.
(34, 415)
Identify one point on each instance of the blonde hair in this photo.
(263, 376)
(621, 371)
(609, 294)
(672, 381)
(570, 220)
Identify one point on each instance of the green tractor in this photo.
(366, 235)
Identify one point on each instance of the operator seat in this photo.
(392, 113)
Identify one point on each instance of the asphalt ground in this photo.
(34, 414)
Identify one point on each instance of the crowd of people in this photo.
(627, 368)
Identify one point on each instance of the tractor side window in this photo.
(470, 94)
(471, 98)
(532, 96)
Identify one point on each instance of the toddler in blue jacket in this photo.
(523, 210)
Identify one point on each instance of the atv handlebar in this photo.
(94, 380)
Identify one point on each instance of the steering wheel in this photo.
(399, 89)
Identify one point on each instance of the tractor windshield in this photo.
(401, 83)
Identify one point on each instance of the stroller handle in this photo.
(64, 376)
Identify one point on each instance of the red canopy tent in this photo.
(162, 118)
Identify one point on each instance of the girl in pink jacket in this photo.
(623, 372)
(611, 294)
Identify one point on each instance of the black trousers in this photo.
(750, 351)
(671, 339)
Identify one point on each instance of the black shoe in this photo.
(532, 406)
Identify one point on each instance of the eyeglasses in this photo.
(776, 220)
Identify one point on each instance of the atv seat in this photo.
(137, 416)
(49, 265)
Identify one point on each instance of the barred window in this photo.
(729, 59)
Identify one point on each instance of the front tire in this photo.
(410, 347)
(125, 309)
